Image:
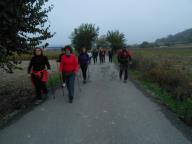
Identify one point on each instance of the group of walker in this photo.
(69, 67)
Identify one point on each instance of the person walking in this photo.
(95, 55)
(84, 61)
(69, 67)
(124, 59)
(38, 74)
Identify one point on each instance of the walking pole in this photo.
(61, 81)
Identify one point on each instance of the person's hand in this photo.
(28, 75)
(49, 71)
(130, 63)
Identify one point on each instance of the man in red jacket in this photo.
(69, 67)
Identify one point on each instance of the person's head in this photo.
(84, 50)
(38, 52)
(62, 50)
(68, 50)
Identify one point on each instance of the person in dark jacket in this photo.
(37, 72)
(95, 55)
(84, 61)
(124, 60)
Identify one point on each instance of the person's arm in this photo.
(30, 67)
(47, 63)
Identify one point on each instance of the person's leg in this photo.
(63, 77)
(126, 72)
(84, 71)
(71, 87)
(63, 80)
(44, 89)
(120, 72)
(67, 84)
(37, 85)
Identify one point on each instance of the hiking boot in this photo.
(70, 99)
(84, 82)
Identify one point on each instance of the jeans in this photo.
(63, 77)
(123, 69)
(95, 60)
(70, 82)
(110, 58)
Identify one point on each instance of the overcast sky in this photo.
(139, 20)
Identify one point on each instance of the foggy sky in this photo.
(139, 20)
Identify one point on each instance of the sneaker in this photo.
(63, 85)
(125, 81)
(84, 81)
(70, 99)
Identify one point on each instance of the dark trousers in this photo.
(40, 87)
(95, 60)
(63, 77)
(84, 71)
(110, 58)
(101, 59)
(123, 69)
(70, 82)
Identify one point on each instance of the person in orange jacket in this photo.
(69, 67)
(38, 74)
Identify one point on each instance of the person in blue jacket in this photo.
(84, 61)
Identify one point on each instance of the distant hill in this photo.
(179, 38)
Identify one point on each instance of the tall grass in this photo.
(168, 73)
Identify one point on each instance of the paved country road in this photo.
(106, 111)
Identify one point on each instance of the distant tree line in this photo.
(87, 35)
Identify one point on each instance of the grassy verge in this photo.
(182, 108)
